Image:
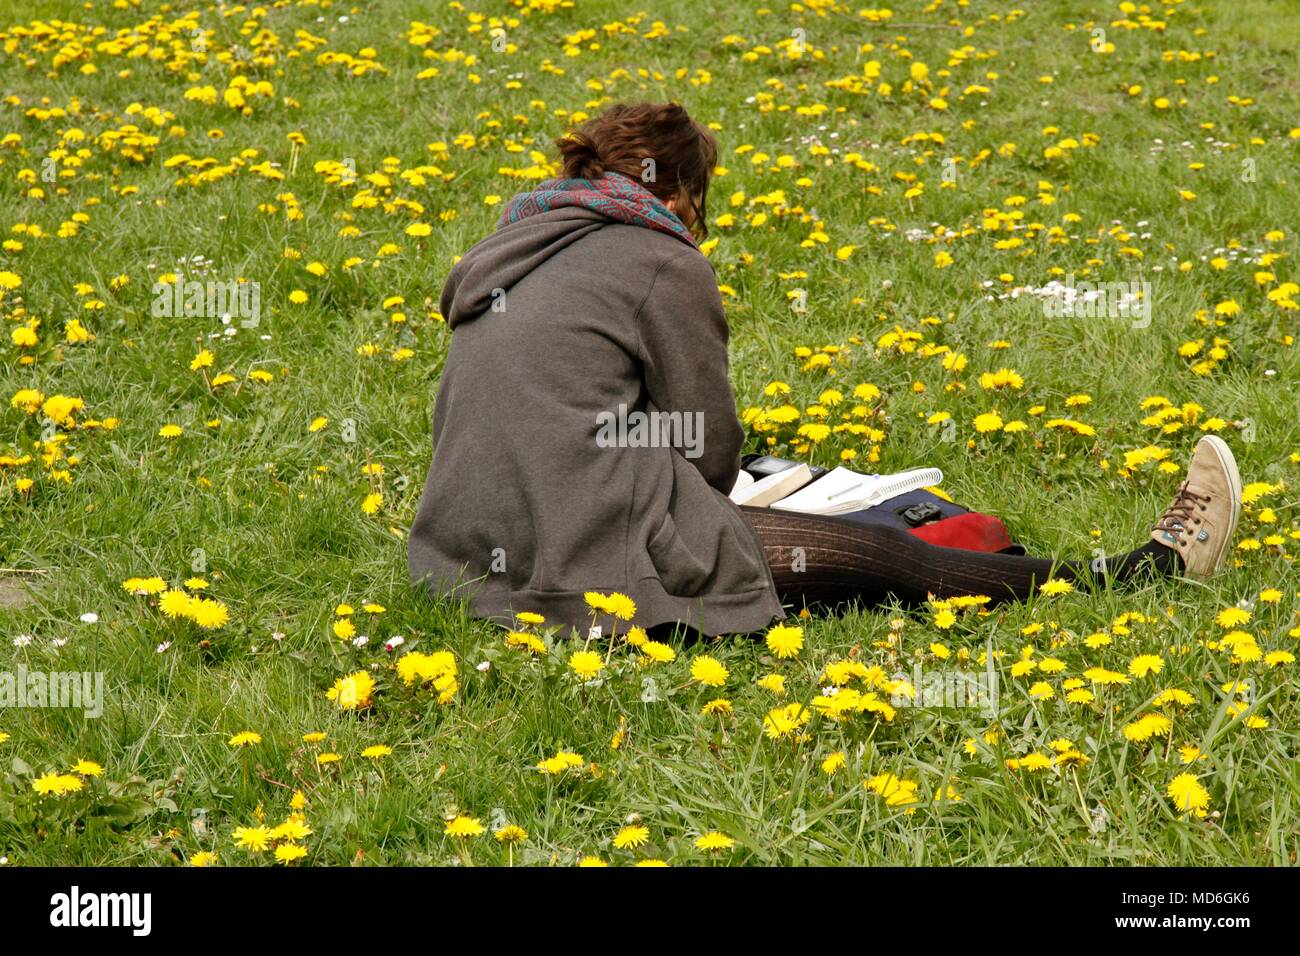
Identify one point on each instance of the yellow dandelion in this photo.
(1188, 794)
(462, 827)
(785, 641)
(631, 837)
(714, 841)
(708, 671)
(289, 852)
(586, 664)
(352, 692)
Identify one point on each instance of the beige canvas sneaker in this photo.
(1200, 523)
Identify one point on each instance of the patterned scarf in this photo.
(613, 195)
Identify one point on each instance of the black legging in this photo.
(842, 561)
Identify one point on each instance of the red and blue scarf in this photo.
(613, 195)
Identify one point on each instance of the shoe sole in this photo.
(1229, 465)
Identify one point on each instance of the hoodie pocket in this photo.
(680, 571)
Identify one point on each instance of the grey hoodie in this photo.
(564, 325)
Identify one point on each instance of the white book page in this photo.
(743, 480)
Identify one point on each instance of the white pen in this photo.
(843, 491)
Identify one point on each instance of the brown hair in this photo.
(683, 152)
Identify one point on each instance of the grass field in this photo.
(211, 515)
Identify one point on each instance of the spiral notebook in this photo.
(842, 490)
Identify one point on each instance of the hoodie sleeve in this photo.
(683, 340)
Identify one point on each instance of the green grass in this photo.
(270, 513)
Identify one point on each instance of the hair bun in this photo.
(580, 157)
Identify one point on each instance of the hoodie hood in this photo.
(619, 197)
(535, 225)
(509, 254)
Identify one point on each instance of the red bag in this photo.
(972, 531)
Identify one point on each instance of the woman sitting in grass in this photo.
(593, 298)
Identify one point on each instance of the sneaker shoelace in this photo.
(1176, 518)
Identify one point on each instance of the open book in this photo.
(842, 490)
(762, 492)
